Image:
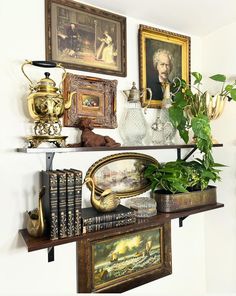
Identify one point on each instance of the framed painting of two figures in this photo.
(85, 38)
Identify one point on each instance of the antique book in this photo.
(70, 202)
(77, 200)
(50, 203)
(107, 225)
(62, 207)
(92, 216)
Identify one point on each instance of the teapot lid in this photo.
(47, 84)
(134, 94)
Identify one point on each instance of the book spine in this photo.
(70, 202)
(50, 203)
(107, 225)
(78, 200)
(108, 217)
(62, 204)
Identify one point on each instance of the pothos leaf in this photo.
(219, 77)
(176, 115)
(197, 76)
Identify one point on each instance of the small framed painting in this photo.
(163, 56)
(85, 38)
(95, 99)
(115, 261)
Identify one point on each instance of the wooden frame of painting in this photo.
(123, 173)
(163, 55)
(115, 261)
(95, 99)
(85, 38)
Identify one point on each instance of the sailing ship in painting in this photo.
(117, 258)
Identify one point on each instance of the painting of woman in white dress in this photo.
(106, 51)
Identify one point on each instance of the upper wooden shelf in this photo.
(86, 149)
(34, 244)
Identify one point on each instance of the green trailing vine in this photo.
(189, 111)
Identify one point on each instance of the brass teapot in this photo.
(46, 105)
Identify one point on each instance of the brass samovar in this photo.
(46, 105)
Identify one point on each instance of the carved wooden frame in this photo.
(91, 25)
(103, 113)
(86, 258)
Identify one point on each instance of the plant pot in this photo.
(168, 202)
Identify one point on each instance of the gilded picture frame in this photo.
(95, 99)
(116, 261)
(123, 173)
(163, 55)
(85, 38)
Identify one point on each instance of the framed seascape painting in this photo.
(85, 38)
(95, 99)
(116, 261)
(163, 56)
(123, 173)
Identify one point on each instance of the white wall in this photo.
(220, 238)
(23, 273)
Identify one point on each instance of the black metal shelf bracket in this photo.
(190, 153)
(181, 219)
(49, 160)
(179, 153)
(50, 254)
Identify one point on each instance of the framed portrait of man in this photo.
(163, 56)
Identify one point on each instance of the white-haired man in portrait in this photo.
(163, 65)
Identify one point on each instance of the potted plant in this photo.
(179, 184)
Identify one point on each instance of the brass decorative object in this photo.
(35, 220)
(46, 105)
(107, 201)
(213, 105)
(168, 203)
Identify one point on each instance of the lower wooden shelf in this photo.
(34, 244)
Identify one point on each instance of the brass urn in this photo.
(46, 105)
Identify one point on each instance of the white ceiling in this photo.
(199, 17)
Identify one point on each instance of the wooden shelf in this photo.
(91, 149)
(34, 244)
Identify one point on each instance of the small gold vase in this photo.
(214, 106)
(35, 220)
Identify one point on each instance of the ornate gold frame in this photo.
(104, 114)
(155, 35)
(143, 184)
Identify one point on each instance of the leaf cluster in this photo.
(182, 176)
(189, 111)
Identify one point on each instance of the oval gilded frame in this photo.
(121, 172)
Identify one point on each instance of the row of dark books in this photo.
(92, 220)
(62, 207)
(62, 202)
